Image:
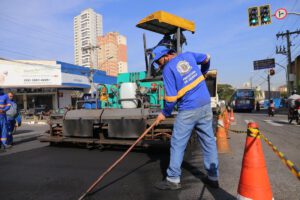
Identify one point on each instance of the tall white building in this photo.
(87, 26)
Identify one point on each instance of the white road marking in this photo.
(272, 123)
(248, 121)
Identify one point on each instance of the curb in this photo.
(34, 122)
(26, 137)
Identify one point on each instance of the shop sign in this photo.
(27, 74)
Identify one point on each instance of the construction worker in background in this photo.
(4, 106)
(184, 84)
(11, 114)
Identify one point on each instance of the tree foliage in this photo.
(225, 91)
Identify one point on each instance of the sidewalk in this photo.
(280, 111)
(29, 131)
(34, 121)
(25, 138)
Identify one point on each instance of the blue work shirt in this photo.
(184, 82)
(4, 104)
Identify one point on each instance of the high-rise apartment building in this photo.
(87, 27)
(112, 56)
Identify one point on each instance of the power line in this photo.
(18, 53)
(292, 9)
(30, 33)
(35, 27)
(34, 37)
(296, 47)
(264, 81)
(25, 48)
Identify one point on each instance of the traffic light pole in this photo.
(294, 13)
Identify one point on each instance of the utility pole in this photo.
(287, 53)
(91, 49)
(269, 87)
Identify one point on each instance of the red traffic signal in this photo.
(272, 72)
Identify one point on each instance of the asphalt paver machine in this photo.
(129, 107)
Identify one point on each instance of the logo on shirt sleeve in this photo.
(183, 67)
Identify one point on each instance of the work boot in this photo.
(211, 183)
(2, 149)
(167, 185)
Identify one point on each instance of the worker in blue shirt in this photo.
(11, 116)
(4, 106)
(184, 83)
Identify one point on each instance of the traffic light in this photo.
(253, 16)
(272, 72)
(265, 15)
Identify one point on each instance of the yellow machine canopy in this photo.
(165, 23)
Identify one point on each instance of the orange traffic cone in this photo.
(221, 135)
(254, 181)
(231, 115)
(226, 122)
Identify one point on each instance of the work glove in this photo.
(159, 119)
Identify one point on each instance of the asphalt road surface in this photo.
(34, 170)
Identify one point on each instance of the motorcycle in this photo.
(294, 112)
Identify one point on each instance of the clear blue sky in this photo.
(40, 29)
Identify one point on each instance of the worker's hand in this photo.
(159, 118)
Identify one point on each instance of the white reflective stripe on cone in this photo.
(240, 197)
(220, 123)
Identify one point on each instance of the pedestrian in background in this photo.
(11, 114)
(257, 106)
(4, 107)
(185, 86)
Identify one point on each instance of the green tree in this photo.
(225, 91)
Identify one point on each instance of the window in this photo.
(84, 16)
(84, 25)
(245, 93)
(85, 42)
(84, 34)
(86, 60)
